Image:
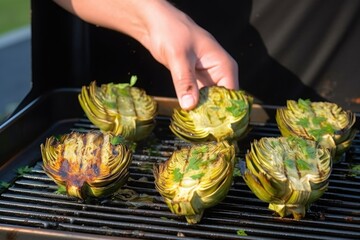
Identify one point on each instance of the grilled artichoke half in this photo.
(86, 164)
(195, 178)
(324, 122)
(289, 173)
(120, 109)
(221, 114)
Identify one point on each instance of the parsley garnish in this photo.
(304, 104)
(318, 120)
(197, 176)
(241, 232)
(4, 185)
(304, 122)
(23, 170)
(178, 175)
(354, 170)
(289, 163)
(194, 163)
(237, 107)
(303, 165)
(116, 140)
(61, 189)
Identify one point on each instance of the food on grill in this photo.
(86, 164)
(289, 173)
(121, 109)
(221, 114)
(324, 122)
(195, 178)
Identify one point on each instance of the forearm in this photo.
(132, 17)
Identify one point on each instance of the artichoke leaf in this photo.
(119, 109)
(221, 114)
(289, 173)
(196, 177)
(86, 164)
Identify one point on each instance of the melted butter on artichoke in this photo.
(195, 178)
(221, 114)
(120, 109)
(86, 164)
(289, 173)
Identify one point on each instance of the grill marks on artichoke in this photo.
(195, 178)
(287, 172)
(87, 164)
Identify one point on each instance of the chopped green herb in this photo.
(237, 172)
(116, 140)
(304, 104)
(304, 122)
(319, 133)
(306, 149)
(241, 232)
(197, 176)
(4, 185)
(289, 163)
(110, 104)
(133, 80)
(354, 171)
(178, 175)
(194, 163)
(303, 165)
(23, 170)
(61, 190)
(318, 120)
(201, 149)
(237, 107)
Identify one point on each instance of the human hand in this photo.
(194, 58)
(192, 55)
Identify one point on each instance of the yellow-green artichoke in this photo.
(121, 109)
(324, 122)
(195, 178)
(221, 114)
(86, 164)
(289, 173)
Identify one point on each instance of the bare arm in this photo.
(194, 58)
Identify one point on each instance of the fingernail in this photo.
(187, 101)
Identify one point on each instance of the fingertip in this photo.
(187, 102)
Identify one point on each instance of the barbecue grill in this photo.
(30, 206)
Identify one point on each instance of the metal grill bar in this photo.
(32, 201)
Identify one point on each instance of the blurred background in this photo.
(15, 54)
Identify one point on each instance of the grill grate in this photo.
(31, 201)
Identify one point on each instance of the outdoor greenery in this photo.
(14, 14)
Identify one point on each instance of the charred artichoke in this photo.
(195, 178)
(120, 109)
(289, 173)
(324, 122)
(221, 114)
(86, 164)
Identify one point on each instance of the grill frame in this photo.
(36, 215)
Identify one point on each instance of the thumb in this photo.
(185, 84)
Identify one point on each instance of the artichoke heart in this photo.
(86, 164)
(195, 178)
(324, 122)
(120, 109)
(221, 114)
(289, 173)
